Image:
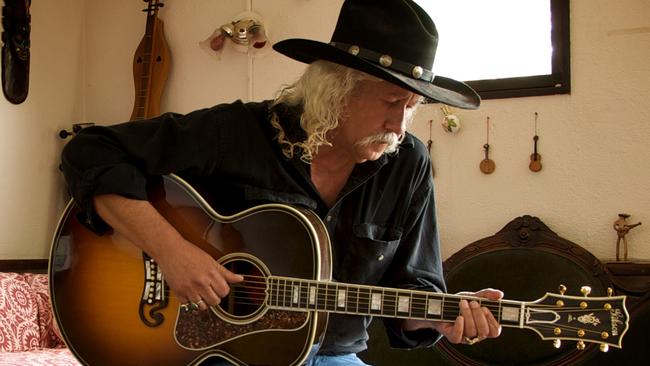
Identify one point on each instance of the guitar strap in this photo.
(16, 22)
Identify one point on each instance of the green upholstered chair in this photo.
(525, 259)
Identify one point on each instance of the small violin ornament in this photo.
(535, 164)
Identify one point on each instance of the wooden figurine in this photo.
(622, 228)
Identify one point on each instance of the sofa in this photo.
(28, 331)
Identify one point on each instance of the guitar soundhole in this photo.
(246, 300)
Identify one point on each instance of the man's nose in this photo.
(396, 122)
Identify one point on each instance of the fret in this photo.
(418, 305)
(284, 293)
(352, 304)
(278, 293)
(330, 298)
(390, 302)
(363, 300)
(288, 293)
(321, 296)
(442, 313)
(272, 292)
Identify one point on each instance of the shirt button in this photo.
(328, 218)
(380, 258)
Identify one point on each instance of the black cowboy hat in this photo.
(394, 40)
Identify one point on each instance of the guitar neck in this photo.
(287, 293)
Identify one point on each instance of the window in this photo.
(503, 48)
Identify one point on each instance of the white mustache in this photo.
(388, 138)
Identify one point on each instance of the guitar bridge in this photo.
(154, 293)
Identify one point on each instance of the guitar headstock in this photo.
(153, 6)
(602, 320)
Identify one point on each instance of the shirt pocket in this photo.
(369, 253)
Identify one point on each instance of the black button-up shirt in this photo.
(382, 227)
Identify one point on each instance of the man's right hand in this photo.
(191, 273)
(194, 276)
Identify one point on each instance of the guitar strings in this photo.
(254, 292)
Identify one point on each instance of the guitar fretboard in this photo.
(297, 294)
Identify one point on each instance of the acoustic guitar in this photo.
(113, 306)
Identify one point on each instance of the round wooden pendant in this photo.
(487, 166)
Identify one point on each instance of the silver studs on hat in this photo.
(385, 60)
(417, 72)
(354, 50)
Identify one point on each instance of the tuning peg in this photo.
(580, 345)
(604, 347)
(557, 343)
(586, 290)
(562, 289)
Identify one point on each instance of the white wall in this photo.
(31, 194)
(592, 142)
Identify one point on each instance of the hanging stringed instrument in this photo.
(151, 64)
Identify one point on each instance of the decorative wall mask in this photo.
(16, 22)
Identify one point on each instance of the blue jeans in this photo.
(350, 359)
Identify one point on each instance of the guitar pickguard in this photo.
(244, 311)
(198, 330)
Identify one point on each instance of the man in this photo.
(334, 142)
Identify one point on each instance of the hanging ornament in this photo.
(535, 164)
(451, 122)
(429, 144)
(487, 166)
